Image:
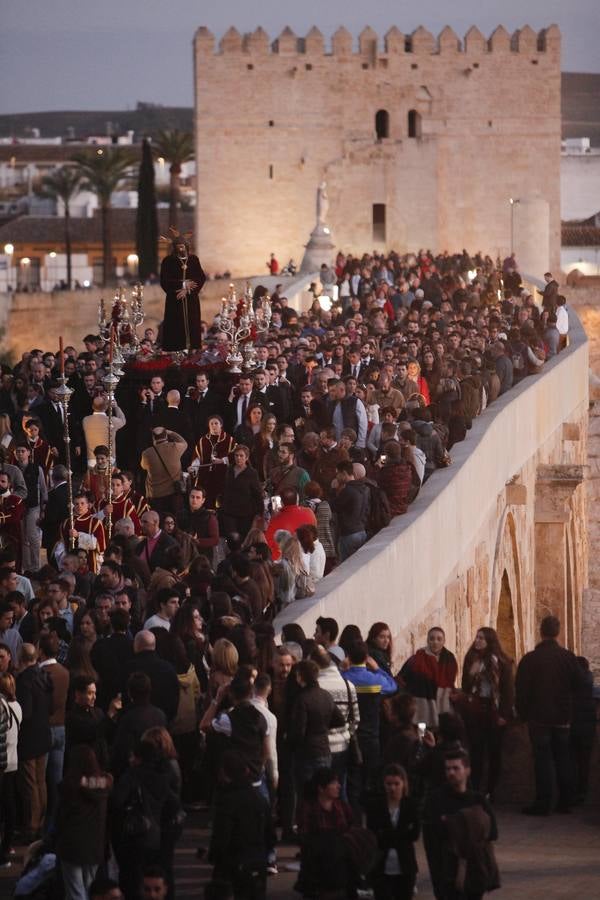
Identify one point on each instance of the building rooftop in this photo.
(51, 229)
(584, 233)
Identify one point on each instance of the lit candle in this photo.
(62, 356)
(110, 347)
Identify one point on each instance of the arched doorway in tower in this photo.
(505, 623)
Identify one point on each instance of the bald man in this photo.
(162, 675)
(155, 542)
(95, 428)
(174, 419)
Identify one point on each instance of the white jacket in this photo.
(15, 715)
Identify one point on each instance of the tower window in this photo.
(271, 123)
(271, 171)
(379, 222)
(414, 124)
(382, 124)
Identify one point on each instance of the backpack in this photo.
(379, 514)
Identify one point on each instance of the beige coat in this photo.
(159, 483)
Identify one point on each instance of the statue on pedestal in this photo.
(320, 248)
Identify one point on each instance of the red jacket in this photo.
(395, 481)
(289, 518)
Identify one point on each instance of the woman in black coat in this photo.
(242, 495)
(81, 821)
(144, 812)
(394, 821)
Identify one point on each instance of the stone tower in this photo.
(422, 142)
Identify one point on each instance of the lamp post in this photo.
(513, 202)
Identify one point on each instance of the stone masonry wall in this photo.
(585, 301)
(273, 120)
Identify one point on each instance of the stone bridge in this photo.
(497, 539)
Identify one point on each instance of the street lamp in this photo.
(9, 249)
(513, 202)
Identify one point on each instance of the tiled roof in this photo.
(36, 153)
(50, 229)
(580, 234)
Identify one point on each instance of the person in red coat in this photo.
(289, 518)
(394, 477)
(87, 532)
(12, 510)
(212, 455)
(122, 507)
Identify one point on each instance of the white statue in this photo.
(322, 204)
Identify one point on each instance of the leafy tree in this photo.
(103, 171)
(146, 236)
(63, 184)
(176, 148)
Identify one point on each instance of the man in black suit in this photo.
(354, 364)
(153, 401)
(56, 510)
(200, 403)
(51, 414)
(162, 675)
(279, 394)
(550, 292)
(155, 542)
(172, 418)
(240, 398)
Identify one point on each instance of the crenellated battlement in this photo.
(369, 46)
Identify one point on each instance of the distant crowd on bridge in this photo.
(139, 673)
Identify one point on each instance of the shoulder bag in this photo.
(178, 486)
(354, 751)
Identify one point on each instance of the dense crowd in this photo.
(139, 673)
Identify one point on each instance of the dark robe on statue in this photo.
(171, 280)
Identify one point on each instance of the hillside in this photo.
(580, 94)
(145, 119)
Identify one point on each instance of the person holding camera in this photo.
(162, 464)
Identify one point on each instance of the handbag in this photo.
(178, 486)
(137, 821)
(354, 751)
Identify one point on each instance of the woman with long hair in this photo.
(81, 821)
(379, 642)
(247, 432)
(486, 704)
(313, 494)
(78, 662)
(393, 819)
(324, 818)
(430, 675)
(188, 626)
(187, 547)
(263, 444)
(242, 495)
(12, 713)
(414, 373)
(145, 791)
(211, 456)
(292, 569)
(85, 629)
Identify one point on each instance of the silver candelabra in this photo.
(123, 320)
(242, 324)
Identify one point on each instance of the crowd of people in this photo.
(139, 673)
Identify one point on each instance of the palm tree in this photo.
(102, 171)
(63, 184)
(177, 148)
